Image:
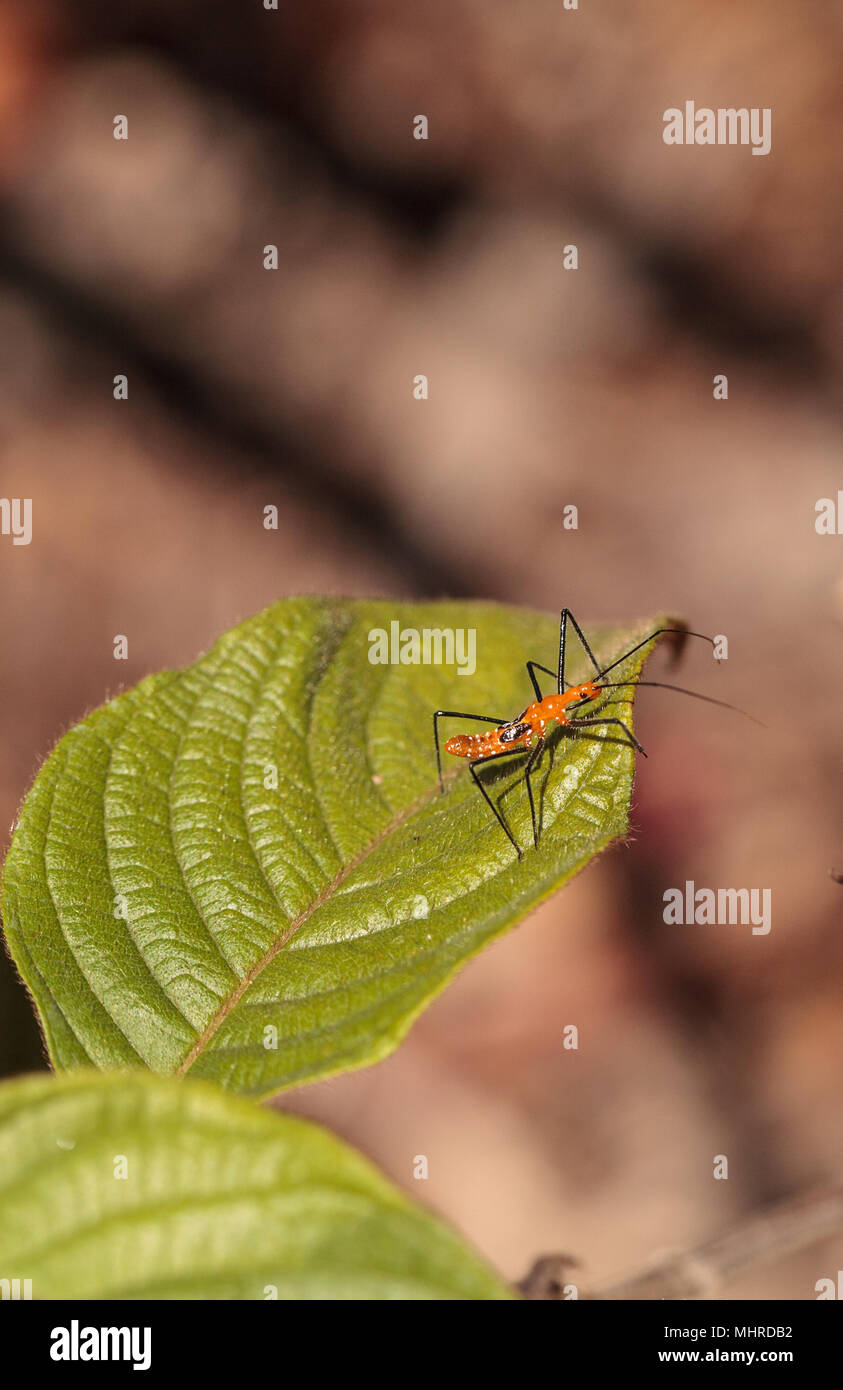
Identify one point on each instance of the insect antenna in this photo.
(682, 632)
(680, 690)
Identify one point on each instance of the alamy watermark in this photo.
(16, 519)
(829, 518)
(719, 907)
(82, 1343)
(15, 1289)
(432, 646)
(728, 125)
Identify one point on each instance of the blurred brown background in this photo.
(547, 387)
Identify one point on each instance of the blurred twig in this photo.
(700, 1273)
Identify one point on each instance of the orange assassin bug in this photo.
(528, 733)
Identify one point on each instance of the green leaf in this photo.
(133, 1186)
(169, 906)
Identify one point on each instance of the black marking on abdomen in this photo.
(513, 732)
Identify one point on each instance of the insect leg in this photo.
(563, 626)
(559, 673)
(472, 767)
(532, 667)
(586, 723)
(456, 714)
(531, 762)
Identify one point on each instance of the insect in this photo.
(528, 733)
